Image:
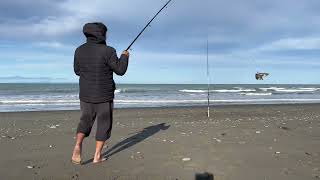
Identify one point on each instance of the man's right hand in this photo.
(126, 53)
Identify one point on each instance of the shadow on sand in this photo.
(204, 176)
(132, 140)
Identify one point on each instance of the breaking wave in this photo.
(256, 94)
(213, 100)
(193, 91)
(218, 90)
(290, 90)
(133, 90)
(233, 90)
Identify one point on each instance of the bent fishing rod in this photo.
(148, 25)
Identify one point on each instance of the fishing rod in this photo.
(148, 25)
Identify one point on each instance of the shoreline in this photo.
(180, 107)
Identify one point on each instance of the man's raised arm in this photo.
(119, 65)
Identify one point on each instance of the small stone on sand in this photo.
(52, 127)
(284, 128)
(307, 153)
(30, 167)
(186, 159)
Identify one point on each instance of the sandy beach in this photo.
(237, 142)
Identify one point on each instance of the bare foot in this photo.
(76, 157)
(98, 159)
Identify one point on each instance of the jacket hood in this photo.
(95, 32)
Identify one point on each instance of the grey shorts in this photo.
(100, 111)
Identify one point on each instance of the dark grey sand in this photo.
(264, 142)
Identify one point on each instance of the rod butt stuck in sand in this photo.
(147, 25)
(208, 78)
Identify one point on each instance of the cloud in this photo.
(56, 24)
(308, 43)
(55, 45)
(49, 27)
(251, 23)
(273, 33)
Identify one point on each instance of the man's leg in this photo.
(97, 155)
(84, 128)
(104, 126)
(76, 156)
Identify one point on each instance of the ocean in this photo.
(44, 97)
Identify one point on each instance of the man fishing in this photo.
(95, 63)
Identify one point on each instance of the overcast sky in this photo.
(282, 37)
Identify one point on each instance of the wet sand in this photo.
(237, 142)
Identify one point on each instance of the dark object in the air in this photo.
(260, 76)
(147, 25)
(204, 176)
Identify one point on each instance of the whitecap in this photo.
(193, 91)
(256, 94)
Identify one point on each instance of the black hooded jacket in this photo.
(95, 63)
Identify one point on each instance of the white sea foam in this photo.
(159, 101)
(233, 90)
(311, 89)
(213, 100)
(265, 100)
(193, 91)
(297, 90)
(271, 88)
(218, 90)
(256, 94)
(290, 90)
